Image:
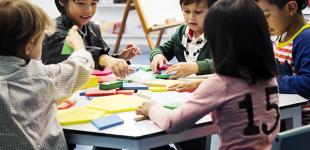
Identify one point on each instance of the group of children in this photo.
(230, 38)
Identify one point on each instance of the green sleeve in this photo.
(205, 66)
(166, 49)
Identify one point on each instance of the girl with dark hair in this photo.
(242, 95)
(79, 12)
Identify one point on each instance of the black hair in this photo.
(62, 9)
(239, 40)
(187, 2)
(302, 4)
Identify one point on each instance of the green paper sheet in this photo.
(172, 105)
(66, 49)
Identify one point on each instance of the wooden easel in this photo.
(135, 5)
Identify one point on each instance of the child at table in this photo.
(292, 47)
(30, 89)
(242, 95)
(187, 44)
(79, 12)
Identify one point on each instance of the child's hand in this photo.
(119, 67)
(183, 69)
(185, 87)
(158, 61)
(145, 107)
(74, 39)
(130, 51)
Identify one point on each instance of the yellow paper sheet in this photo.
(78, 115)
(116, 103)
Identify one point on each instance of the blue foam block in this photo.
(82, 92)
(107, 122)
(134, 86)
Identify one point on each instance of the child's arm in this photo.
(183, 69)
(208, 97)
(158, 61)
(69, 75)
(205, 67)
(118, 66)
(131, 50)
(166, 49)
(299, 83)
(186, 87)
(163, 53)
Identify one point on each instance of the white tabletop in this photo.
(137, 130)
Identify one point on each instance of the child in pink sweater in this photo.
(242, 95)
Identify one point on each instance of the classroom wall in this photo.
(48, 6)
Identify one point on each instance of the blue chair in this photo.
(295, 139)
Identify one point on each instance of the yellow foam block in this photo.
(158, 89)
(78, 115)
(116, 103)
(160, 83)
(93, 81)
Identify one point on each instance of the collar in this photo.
(283, 44)
(10, 64)
(188, 38)
(190, 34)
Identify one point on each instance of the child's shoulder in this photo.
(180, 30)
(304, 33)
(216, 81)
(182, 27)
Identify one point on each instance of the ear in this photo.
(292, 7)
(62, 3)
(29, 47)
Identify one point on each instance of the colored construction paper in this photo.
(116, 103)
(78, 115)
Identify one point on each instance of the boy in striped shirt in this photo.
(292, 47)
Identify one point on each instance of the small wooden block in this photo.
(158, 89)
(163, 76)
(144, 94)
(125, 92)
(146, 68)
(96, 92)
(110, 85)
(107, 79)
(164, 67)
(105, 72)
(107, 122)
(82, 92)
(134, 86)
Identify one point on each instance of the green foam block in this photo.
(110, 85)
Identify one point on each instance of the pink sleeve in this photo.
(207, 97)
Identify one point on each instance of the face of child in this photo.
(194, 16)
(278, 19)
(81, 11)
